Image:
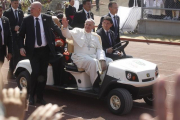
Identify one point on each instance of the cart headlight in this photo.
(156, 72)
(131, 76)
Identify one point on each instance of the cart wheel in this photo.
(23, 79)
(119, 101)
(149, 100)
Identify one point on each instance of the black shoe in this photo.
(31, 101)
(42, 101)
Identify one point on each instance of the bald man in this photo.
(88, 53)
(39, 42)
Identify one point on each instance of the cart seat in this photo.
(73, 67)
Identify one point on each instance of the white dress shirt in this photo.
(2, 32)
(43, 37)
(112, 17)
(86, 14)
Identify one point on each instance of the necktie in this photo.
(38, 32)
(88, 15)
(0, 36)
(16, 18)
(115, 26)
(109, 38)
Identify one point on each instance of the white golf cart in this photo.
(126, 79)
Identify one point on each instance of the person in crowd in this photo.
(5, 40)
(88, 52)
(19, 6)
(131, 3)
(82, 15)
(175, 13)
(113, 9)
(160, 100)
(70, 11)
(97, 5)
(60, 16)
(39, 41)
(57, 61)
(168, 4)
(15, 16)
(80, 7)
(108, 38)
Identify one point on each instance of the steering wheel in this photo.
(120, 46)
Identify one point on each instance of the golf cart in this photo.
(126, 79)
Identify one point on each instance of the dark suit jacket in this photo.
(70, 11)
(80, 18)
(7, 34)
(112, 28)
(105, 41)
(27, 32)
(10, 15)
(80, 7)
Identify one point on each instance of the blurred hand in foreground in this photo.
(160, 101)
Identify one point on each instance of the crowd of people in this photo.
(163, 14)
(41, 39)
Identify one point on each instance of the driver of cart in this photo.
(88, 53)
(108, 38)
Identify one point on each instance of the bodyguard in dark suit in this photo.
(39, 42)
(113, 9)
(70, 11)
(108, 38)
(82, 15)
(15, 16)
(5, 39)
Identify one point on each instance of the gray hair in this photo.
(90, 19)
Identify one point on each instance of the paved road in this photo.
(78, 108)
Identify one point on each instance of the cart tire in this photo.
(149, 100)
(119, 101)
(23, 79)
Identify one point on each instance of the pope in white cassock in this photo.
(88, 53)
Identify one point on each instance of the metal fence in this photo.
(161, 9)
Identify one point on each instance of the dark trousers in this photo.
(39, 63)
(113, 56)
(169, 4)
(97, 4)
(16, 57)
(58, 69)
(131, 3)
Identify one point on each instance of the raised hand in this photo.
(14, 103)
(160, 101)
(65, 22)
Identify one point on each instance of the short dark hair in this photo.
(111, 3)
(84, 1)
(60, 15)
(14, 0)
(108, 19)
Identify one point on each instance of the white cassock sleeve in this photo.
(100, 52)
(66, 33)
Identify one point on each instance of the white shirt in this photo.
(2, 32)
(112, 17)
(43, 37)
(15, 12)
(86, 14)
